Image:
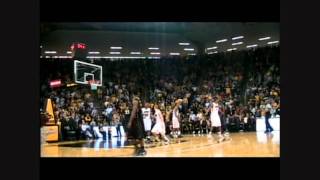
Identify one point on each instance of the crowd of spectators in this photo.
(245, 82)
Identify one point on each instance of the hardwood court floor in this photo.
(243, 144)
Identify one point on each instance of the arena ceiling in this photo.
(166, 36)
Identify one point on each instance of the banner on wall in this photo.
(50, 133)
(55, 83)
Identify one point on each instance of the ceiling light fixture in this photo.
(114, 53)
(273, 42)
(50, 52)
(233, 49)
(264, 38)
(238, 37)
(115, 47)
(213, 52)
(184, 44)
(214, 47)
(135, 52)
(153, 48)
(238, 43)
(253, 45)
(222, 40)
(94, 52)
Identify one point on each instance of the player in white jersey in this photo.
(215, 119)
(176, 119)
(159, 129)
(146, 114)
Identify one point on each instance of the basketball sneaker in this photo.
(165, 138)
(226, 136)
(220, 138)
(156, 139)
(142, 152)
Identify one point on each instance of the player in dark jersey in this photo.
(136, 127)
(126, 119)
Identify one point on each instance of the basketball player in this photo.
(146, 113)
(136, 128)
(215, 119)
(200, 120)
(159, 129)
(176, 119)
(126, 118)
(203, 122)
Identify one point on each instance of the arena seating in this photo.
(244, 81)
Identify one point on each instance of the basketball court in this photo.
(91, 71)
(242, 144)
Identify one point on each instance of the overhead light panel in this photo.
(253, 45)
(232, 49)
(222, 40)
(155, 53)
(273, 42)
(184, 44)
(50, 52)
(114, 53)
(116, 57)
(214, 52)
(94, 52)
(94, 57)
(135, 52)
(153, 48)
(65, 57)
(69, 52)
(188, 49)
(210, 48)
(238, 43)
(113, 47)
(238, 37)
(175, 54)
(264, 38)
